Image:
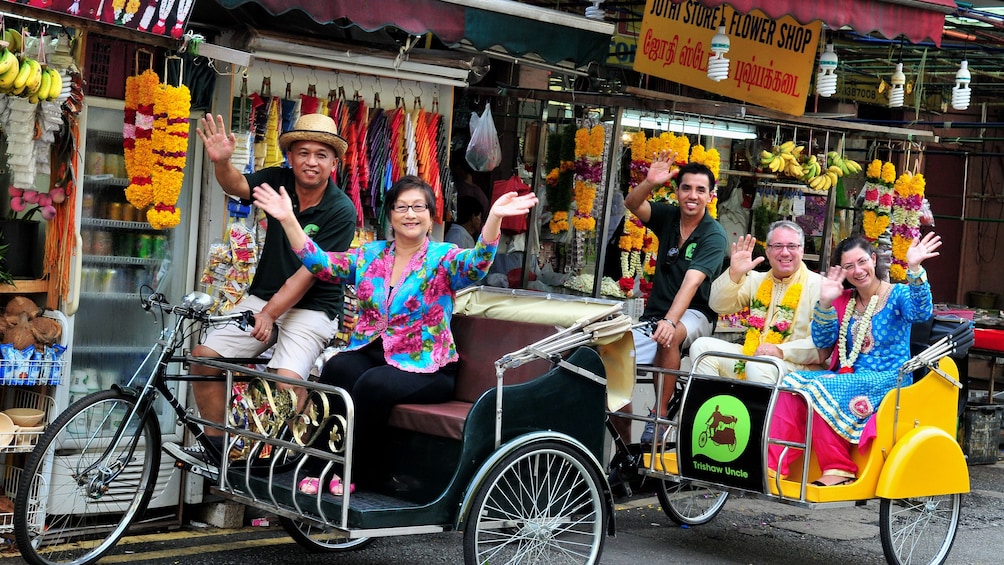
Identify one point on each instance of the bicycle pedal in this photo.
(203, 472)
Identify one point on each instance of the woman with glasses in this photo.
(401, 349)
(867, 329)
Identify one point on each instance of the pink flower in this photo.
(44, 200)
(17, 204)
(783, 326)
(30, 196)
(58, 195)
(15, 191)
(48, 212)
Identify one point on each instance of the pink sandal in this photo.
(309, 485)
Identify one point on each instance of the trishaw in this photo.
(718, 433)
(513, 461)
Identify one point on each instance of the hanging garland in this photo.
(906, 204)
(862, 330)
(138, 132)
(170, 138)
(878, 199)
(589, 144)
(560, 163)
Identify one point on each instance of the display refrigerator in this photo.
(121, 256)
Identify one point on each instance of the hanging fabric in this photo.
(515, 224)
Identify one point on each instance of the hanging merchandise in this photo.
(514, 224)
(877, 205)
(137, 132)
(908, 199)
(484, 152)
(172, 106)
(589, 143)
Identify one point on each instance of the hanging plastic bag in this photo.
(484, 152)
(926, 215)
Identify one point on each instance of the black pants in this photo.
(375, 388)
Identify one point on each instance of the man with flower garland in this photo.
(780, 302)
(291, 311)
(692, 248)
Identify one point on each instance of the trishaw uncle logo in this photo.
(721, 432)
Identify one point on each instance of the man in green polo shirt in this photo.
(290, 311)
(692, 248)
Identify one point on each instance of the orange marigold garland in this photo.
(878, 200)
(907, 202)
(138, 138)
(170, 137)
(589, 144)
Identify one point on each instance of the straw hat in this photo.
(315, 127)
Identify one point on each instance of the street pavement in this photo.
(749, 530)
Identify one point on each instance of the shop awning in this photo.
(918, 20)
(518, 28)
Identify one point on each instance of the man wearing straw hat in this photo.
(290, 311)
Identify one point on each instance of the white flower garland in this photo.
(861, 330)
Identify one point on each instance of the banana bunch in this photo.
(846, 166)
(825, 178)
(786, 159)
(812, 168)
(28, 78)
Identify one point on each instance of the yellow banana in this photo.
(835, 169)
(22, 74)
(787, 146)
(7, 79)
(797, 151)
(816, 183)
(766, 157)
(776, 165)
(853, 166)
(43, 87)
(35, 78)
(832, 176)
(14, 39)
(55, 84)
(7, 60)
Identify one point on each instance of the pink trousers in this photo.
(832, 451)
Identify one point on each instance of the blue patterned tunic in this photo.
(847, 400)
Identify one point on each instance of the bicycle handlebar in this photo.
(195, 306)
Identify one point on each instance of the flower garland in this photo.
(907, 201)
(756, 321)
(589, 144)
(560, 163)
(861, 330)
(170, 137)
(878, 199)
(138, 133)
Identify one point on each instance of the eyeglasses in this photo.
(403, 208)
(671, 256)
(860, 263)
(791, 247)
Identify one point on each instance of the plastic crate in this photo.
(107, 64)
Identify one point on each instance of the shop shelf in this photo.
(119, 260)
(36, 500)
(25, 286)
(25, 440)
(118, 224)
(32, 372)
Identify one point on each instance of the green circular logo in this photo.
(721, 429)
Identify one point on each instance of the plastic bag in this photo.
(484, 152)
(926, 215)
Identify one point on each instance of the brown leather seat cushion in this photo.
(480, 342)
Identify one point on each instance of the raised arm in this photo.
(279, 206)
(659, 173)
(509, 204)
(220, 144)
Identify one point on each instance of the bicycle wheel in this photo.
(541, 504)
(316, 539)
(688, 504)
(93, 494)
(919, 530)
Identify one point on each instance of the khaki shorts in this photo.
(301, 337)
(645, 347)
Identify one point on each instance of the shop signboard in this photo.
(623, 44)
(160, 17)
(772, 61)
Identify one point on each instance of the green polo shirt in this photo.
(703, 251)
(331, 224)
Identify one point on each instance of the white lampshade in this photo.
(718, 65)
(898, 81)
(826, 79)
(961, 93)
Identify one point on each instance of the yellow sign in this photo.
(772, 61)
(624, 44)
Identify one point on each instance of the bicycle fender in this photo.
(129, 390)
(921, 454)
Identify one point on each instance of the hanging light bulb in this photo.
(718, 65)
(896, 92)
(826, 79)
(961, 93)
(594, 12)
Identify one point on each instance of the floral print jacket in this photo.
(413, 318)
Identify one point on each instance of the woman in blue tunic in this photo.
(868, 328)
